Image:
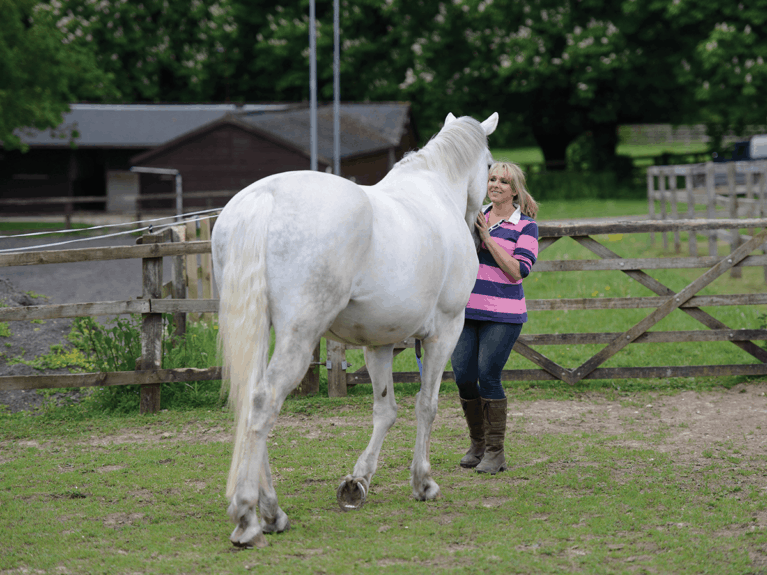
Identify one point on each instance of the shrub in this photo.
(116, 348)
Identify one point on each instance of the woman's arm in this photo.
(504, 260)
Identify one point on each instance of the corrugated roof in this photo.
(365, 128)
(136, 125)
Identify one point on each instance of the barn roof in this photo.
(135, 125)
(365, 128)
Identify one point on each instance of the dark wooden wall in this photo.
(227, 158)
(366, 170)
(46, 173)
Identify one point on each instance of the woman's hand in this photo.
(482, 228)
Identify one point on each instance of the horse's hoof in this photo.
(428, 492)
(279, 525)
(351, 494)
(248, 538)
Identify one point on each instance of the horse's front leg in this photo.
(437, 350)
(355, 487)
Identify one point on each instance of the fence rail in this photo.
(69, 202)
(152, 304)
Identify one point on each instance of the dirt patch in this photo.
(29, 340)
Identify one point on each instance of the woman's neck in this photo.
(504, 210)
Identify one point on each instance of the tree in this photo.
(731, 77)
(565, 68)
(156, 50)
(271, 50)
(41, 72)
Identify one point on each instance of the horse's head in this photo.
(477, 176)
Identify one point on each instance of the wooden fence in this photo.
(728, 189)
(152, 249)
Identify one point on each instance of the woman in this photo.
(495, 312)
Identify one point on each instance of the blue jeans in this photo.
(480, 354)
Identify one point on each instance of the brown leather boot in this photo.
(472, 411)
(494, 415)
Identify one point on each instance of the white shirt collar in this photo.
(512, 219)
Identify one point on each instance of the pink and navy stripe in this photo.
(496, 295)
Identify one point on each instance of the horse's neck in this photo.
(425, 185)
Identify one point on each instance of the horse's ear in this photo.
(490, 124)
(449, 118)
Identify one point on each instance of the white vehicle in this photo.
(755, 148)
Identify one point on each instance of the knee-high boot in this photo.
(472, 411)
(494, 416)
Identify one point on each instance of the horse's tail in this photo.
(244, 319)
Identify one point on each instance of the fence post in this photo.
(192, 268)
(674, 209)
(735, 271)
(711, 206)
(662, 190)
(763, 201)
(206, 267)
(310, 384)
(151, 328)
(178, 234)
(751, 198)
(651, 200)
(693, 236)
(336, 353)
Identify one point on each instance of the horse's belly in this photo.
(373, 325)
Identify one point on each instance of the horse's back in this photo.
(319, 233)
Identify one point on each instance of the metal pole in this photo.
(179, 198)
(313, 84)
(336, 91)
(169, 172)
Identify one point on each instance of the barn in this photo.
(215, 148)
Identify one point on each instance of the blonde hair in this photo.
(527, 203)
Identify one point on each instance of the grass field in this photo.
(599, 483)
(533, 155)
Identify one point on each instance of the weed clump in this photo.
(117, 346)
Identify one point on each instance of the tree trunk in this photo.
(605, 143)
(554, 125)
(553, 147)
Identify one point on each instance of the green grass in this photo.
(638, 150)
(589, 208)
(524, 156)
(145, 494)
(533, 155)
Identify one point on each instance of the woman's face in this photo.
(499, 189)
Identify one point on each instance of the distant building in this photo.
(216, 147)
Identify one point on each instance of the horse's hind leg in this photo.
(273, 518)
(354, 488)
(437, 350)
(254, 489)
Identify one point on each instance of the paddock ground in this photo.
(599, 483)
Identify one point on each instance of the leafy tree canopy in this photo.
(41, 71)
(732, 79)
(555, 69)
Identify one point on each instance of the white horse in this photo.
(314, 255)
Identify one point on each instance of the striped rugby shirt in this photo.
(496, 295)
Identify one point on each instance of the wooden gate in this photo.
(666, 301)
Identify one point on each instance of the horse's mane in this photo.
(452, 151)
